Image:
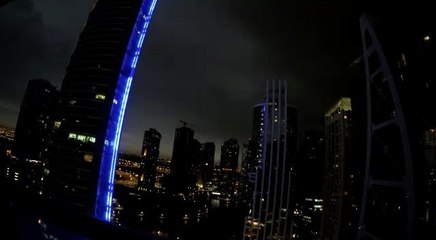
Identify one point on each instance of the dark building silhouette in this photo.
(35, 126)
(94, 95)
(195, 153)
(185, 161)
(207, 162)
(250, 158)
(149, 158)
(273, 201)
(309, 184)
(229, 154)
(399, 55)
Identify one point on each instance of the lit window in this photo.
(91, 139)
(100, 96)
(57, 124)
(72, 136)
(88, 157)
(81, 138)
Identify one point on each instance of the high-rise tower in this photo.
(272, 199)
(207, 162)
(183, 165)
(149, 157)
(93, 101)
(337, 162)
(34, 128)
(229, 154)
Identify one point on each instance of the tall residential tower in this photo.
(34, 128)
(93, 101)
(337, 164)
(149, 158)
(272, 199)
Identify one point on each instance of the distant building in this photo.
(35, 125)
(250, 157)
(163, 169)
(337, 170)
(94, 93)
(207, 162)
(149, 158)
(184, 163)
(229, 155)
(272, 206)
(196, 150)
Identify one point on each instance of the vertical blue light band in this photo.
(105, 187)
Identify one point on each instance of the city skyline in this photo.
(246, 119)
(212, 95)
(326, 38)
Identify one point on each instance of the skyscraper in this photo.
(229, 154)
(35, 126)
(149, 158)
(272, 202)
(337, 164)
(309, 184)
(207, 162)
(93, 101)
(183, 177)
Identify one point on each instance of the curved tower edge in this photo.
(105, 187)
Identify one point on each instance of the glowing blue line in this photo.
(105, 187)
(150, 11)
(141, 40)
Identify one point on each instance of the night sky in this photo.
(203, 61)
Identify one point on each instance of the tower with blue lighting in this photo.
(83, 152)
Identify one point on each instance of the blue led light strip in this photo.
(103, 201)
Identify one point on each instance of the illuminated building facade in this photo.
(149, 158)
(229, 155)
(94, 95)
(35, 126)
(337, 160)
(271, 209)
(229, 164)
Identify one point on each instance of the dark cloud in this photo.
(197, 65)
(30, 47)
(205, 62)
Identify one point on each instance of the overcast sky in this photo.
(203, 61)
